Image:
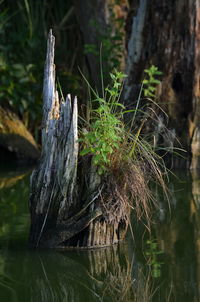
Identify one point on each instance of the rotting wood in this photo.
(166, 34)
(62, 213)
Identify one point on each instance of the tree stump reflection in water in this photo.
(96, 275)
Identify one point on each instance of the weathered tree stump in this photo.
(66, 205)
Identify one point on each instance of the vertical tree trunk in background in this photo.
(91, 15)
(67, 209)
(195, 116)
(99, 24)
(166, 34)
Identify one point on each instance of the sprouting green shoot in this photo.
(121, 153)
(106, 131)
(151, 82)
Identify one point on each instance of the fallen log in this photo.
(15, 140)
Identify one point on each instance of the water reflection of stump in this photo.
(106, 275)
(96, 275)
(112, 268)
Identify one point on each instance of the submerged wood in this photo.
(65, 207)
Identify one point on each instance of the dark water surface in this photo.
(163, 266)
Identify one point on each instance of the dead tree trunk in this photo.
(166, 34)
(66, 207)
(100, 24)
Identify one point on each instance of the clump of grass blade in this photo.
(126, 162)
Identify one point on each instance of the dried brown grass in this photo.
(127, 186)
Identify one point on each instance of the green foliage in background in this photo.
(20, 73)
(151, 82)
(24, 25)
(19, 89)
(111, 42)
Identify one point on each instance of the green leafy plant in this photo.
(151, 82)
(124, 158)
(106, 131)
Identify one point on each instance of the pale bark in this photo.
(53, 182)
(66, 209)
